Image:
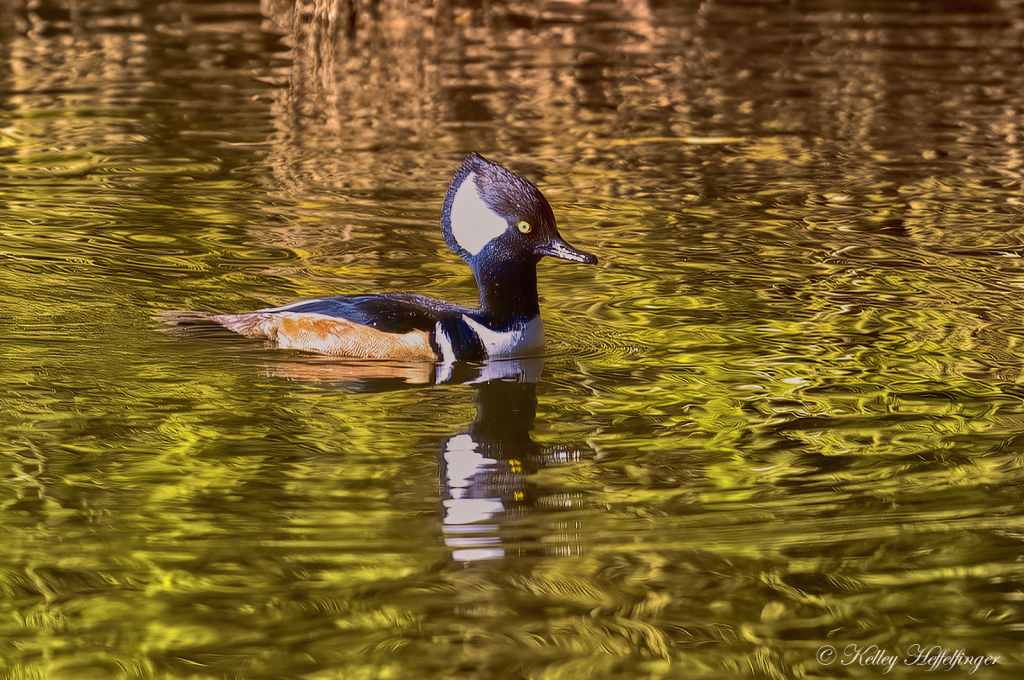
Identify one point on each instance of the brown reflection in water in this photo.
(377, 92)
(134, 83)
(643, 69)
(598, 101)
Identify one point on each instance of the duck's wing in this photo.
(387, 312)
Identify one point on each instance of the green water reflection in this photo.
(785, 412)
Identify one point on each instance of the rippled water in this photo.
(784, 415)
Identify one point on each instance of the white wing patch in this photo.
(285, 308)
(474, 225)
(518, 342)
(447, 363)
(444, 343)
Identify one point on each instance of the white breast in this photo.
(521, 340)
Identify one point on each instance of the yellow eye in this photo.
(524, 226)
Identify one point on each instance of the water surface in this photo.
(786, 411)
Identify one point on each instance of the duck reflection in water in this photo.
(485, 470)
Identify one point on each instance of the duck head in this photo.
(493, 215)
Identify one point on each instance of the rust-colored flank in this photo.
(329, 335)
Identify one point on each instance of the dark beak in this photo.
(556, 247)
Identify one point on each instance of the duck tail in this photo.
(184, 323)
(251, 325)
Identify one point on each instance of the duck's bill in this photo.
(563, 251)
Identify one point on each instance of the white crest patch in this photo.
(474, 225)
(518, 342)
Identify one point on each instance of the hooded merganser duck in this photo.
(492, 218)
